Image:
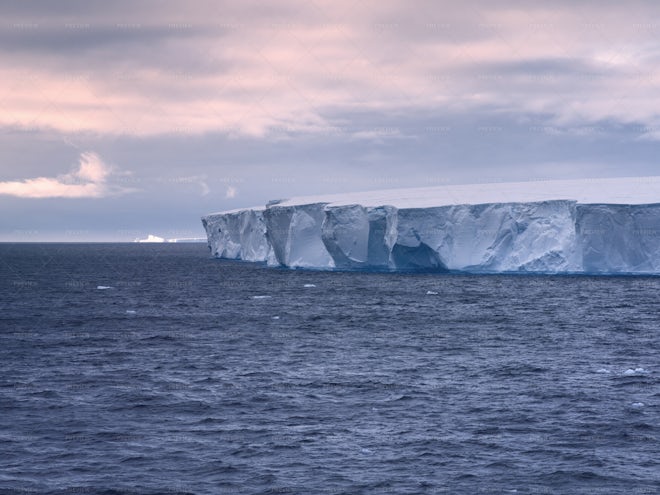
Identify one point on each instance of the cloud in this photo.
(231, 192)
(88, 181)
(294, 65)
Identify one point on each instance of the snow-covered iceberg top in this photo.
(570, 226)
(627, 190)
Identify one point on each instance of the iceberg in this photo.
(571, 226)
(156, 239)
(151, 238)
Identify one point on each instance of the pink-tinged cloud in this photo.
(89, 180)
(296, 65)
(231, 192)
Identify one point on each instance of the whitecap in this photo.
(309, 285)
(603, 370)
(276, 317)
(261, 297)
(130, 311)
(636, 371)
(637, 404)
(103, 287)
(431, 293)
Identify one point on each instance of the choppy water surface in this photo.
(155, 369)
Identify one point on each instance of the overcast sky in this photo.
(119, 119)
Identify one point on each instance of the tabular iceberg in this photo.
(579, 226)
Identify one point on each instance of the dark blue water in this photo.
(194, 375)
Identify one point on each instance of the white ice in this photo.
(576, 226)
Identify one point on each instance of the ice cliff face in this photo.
(494, 237)
(359, 237)
(294, 232)
(619, 238)
(546, 236)
(238, 235)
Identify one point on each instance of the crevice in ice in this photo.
(420, 257)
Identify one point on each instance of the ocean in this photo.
(153, 368)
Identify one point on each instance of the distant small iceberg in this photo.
(155, 238)
(151, 238)
(188, 239)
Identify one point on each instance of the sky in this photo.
(127, 118)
